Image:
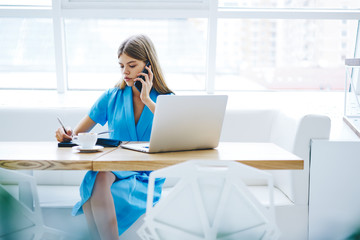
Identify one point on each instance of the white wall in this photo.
(334, 200)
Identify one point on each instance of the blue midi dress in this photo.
(129, 190)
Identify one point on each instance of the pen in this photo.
(62, 125)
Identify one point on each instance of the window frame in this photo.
(136, 4)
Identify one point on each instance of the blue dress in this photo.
(129, 190)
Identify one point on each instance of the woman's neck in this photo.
(135, 92)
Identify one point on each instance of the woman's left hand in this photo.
(146, 88)
(146, 85)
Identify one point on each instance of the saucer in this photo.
(96, 148)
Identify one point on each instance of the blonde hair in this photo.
(141, 48)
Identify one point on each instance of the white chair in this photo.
(209, 201)
(293, 132)
(20, 212)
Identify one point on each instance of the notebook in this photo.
(184, 123)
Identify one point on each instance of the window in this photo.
(27, 3)
(272, 54)
(202, 44)
(310, 4)
(92, 46)
(137, 4)
(27, 53)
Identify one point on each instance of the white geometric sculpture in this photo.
(210, 201)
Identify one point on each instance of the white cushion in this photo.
(294, 134)
(41, 120)
(247, 125)
(58, 196)
(59, 177)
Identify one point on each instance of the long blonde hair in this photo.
(141, 48)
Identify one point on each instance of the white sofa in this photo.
(58, 190)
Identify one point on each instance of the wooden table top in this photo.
(47, 156)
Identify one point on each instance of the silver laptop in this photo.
(184, 123)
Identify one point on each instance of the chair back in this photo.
(209, 201)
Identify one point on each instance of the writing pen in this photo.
(62, 125)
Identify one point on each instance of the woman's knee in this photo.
(105, 179)
(86, 207)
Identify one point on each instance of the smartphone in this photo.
(138, 84)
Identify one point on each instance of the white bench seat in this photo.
(68, 196)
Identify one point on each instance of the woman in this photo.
(113, 201)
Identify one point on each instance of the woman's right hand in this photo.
(63, 136)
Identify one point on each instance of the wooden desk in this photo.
(47, 156)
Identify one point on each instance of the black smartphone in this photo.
(138, 84)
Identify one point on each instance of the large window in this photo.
(27, 53)
(341, 4)
(92, 46)
(272, 54)
(203, 45)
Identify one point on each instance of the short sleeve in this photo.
(99, 111)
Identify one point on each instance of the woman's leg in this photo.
(91, 221)
(103, 208)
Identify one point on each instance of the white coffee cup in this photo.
(86, 140)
